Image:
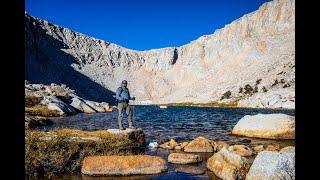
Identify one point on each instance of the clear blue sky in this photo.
(142, 24)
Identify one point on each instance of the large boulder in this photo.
(228, 165)
(55, 103)
(123, 165)
(95, 105)
(200, 144)
(81, 105)
(183, 158)
(270, 126)
(273, 165)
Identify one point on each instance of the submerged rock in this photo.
(200, 144)
(123, 165)
(271, 126)
(183, 158)
(273, 165)
(228, 165)
(190, 170)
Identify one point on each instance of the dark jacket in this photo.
(123, 95)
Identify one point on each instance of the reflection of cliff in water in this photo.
(46, 63)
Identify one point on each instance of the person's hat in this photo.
(124, 82)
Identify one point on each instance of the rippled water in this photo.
(181, 123)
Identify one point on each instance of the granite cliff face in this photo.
(251, 60)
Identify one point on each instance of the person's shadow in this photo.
(46, 63)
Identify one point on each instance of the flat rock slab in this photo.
(270, 126)
(183, 158)
(126, 131)
(123, 165)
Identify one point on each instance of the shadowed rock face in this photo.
(259, 45)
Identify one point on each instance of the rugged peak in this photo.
(258, 47)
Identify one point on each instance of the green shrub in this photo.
(264, 89)
(60, 155)
(226, 95)
(240, 90)
(30, 101)
(275, 82)
(41, 111)
(59, 91)
(286, 85)
(248, 89)
(258, 81)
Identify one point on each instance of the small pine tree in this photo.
(240, 90)
(264, 89)
(248, 89)
(258, 81)
(226, 95)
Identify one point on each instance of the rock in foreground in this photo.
(183, 158)
(270, 126)
(273, 165)
(228, 165)
(123, 165)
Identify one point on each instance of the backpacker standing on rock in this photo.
(123, 97)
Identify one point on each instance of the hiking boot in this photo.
(132, 127)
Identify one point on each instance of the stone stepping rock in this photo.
(123, 165)
(183, 158)
(200, 144)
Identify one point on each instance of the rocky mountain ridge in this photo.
(250, 61)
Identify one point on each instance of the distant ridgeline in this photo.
(250, 62)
